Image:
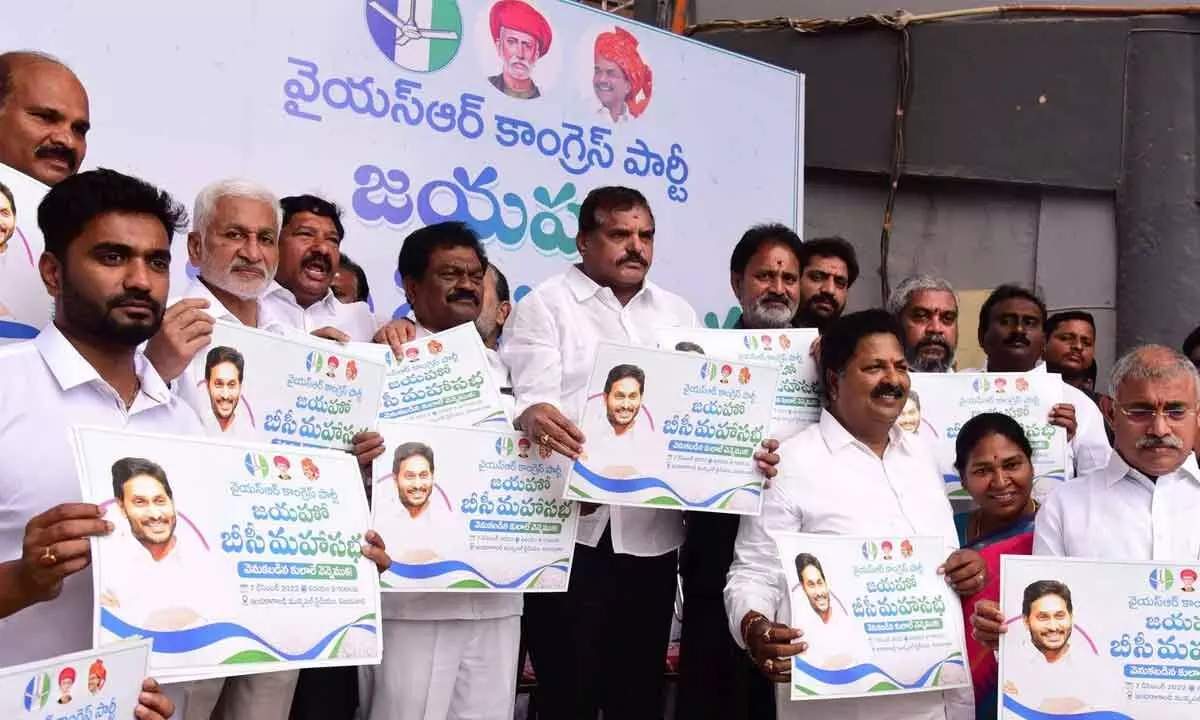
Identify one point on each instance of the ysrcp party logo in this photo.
(257, 465)
(756, 343)
(506, 446)
(37, 692)
(724, 373)
(418, 35)
(279, 467)
(870, 550)
(1161, 579)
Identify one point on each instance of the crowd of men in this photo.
(120, 349)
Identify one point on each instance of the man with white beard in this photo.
(234, 243)
(715, 678)
(927, 310)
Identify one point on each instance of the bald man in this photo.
(44, 118)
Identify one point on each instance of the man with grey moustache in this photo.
(927, 309)
(716, 680)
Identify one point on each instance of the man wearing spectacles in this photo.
(1144, 504)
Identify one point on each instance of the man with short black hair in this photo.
(1071, 347)
(350, 281)
(310, 239)
(495, 308)
(617, 611)
(107, 266)
(44, 117)
(855, 450)
(1012, 332)
(764, 271)
(828, 268)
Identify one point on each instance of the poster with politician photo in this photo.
(1099, 639)
(234, 558)
(93, 684)
(669, 430)
(24, 303)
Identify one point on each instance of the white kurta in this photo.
(828, 482)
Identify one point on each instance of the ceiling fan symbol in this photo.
(406, 28)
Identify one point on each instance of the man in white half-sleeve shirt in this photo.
(1012, 331)
(446, 656)
(309, 258)
(855, 451)
(601, 645)
(107, 266)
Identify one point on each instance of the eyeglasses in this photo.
(1173, 412)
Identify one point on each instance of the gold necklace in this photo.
(976, 526)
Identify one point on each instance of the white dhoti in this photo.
(249, 697)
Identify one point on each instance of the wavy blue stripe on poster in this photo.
(445, 567)
(630, 485)
(1020, 710)
(173, 642)
(17, 331)
(858, 672)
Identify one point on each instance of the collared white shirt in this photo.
(354, 319)
(504, 382)
(636, 452)
(623, 117)
(550, 345)
(1088, 451)
(1071, 676)
(1118, 513)
(240, 426)
(45, 387)
(449, 606)
(829, 482)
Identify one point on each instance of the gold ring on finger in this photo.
(48, 556)
(544, 439)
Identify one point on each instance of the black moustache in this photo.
(632, 257)
(58, 151)
(463, 295)
(1016, 340)
(885, 390)
(823, 296)
(324, 260)
(141, 297)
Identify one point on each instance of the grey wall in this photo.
(756, 9)
(977, 236)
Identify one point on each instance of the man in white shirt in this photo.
(159, 582)
(616, 436)
(1052, 674)
(494, 310)
(446, 656)
(1012, 332)
(419, 507)
(1143, 505)
(617, 611)
(855, 451)
(107, 266)
(309, 258)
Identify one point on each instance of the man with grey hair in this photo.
(1143, 505)
(44, 117)
(927, 309)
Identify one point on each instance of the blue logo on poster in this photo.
(418, 35)
(37, 692)
(1161, 579)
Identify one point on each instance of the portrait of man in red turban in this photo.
(522, 37)
(621, 80)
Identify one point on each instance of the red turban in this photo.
(67, 674)
(621, 47)
(520, 16)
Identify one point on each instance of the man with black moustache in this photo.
(1012, 332)
(44, 117)
(828, 267)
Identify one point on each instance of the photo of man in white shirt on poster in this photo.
(1055, 669)
(838, 640)
(620, 440)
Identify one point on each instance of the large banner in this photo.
(498, 113)
(234, 558)
(669, 430)
(464, 509)
(24, 303)
(940, 403)
(289, 390)
(798, 400)
(89, 685)
(1099, 639)
(876, 615)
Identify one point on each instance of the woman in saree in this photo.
(994, 459)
